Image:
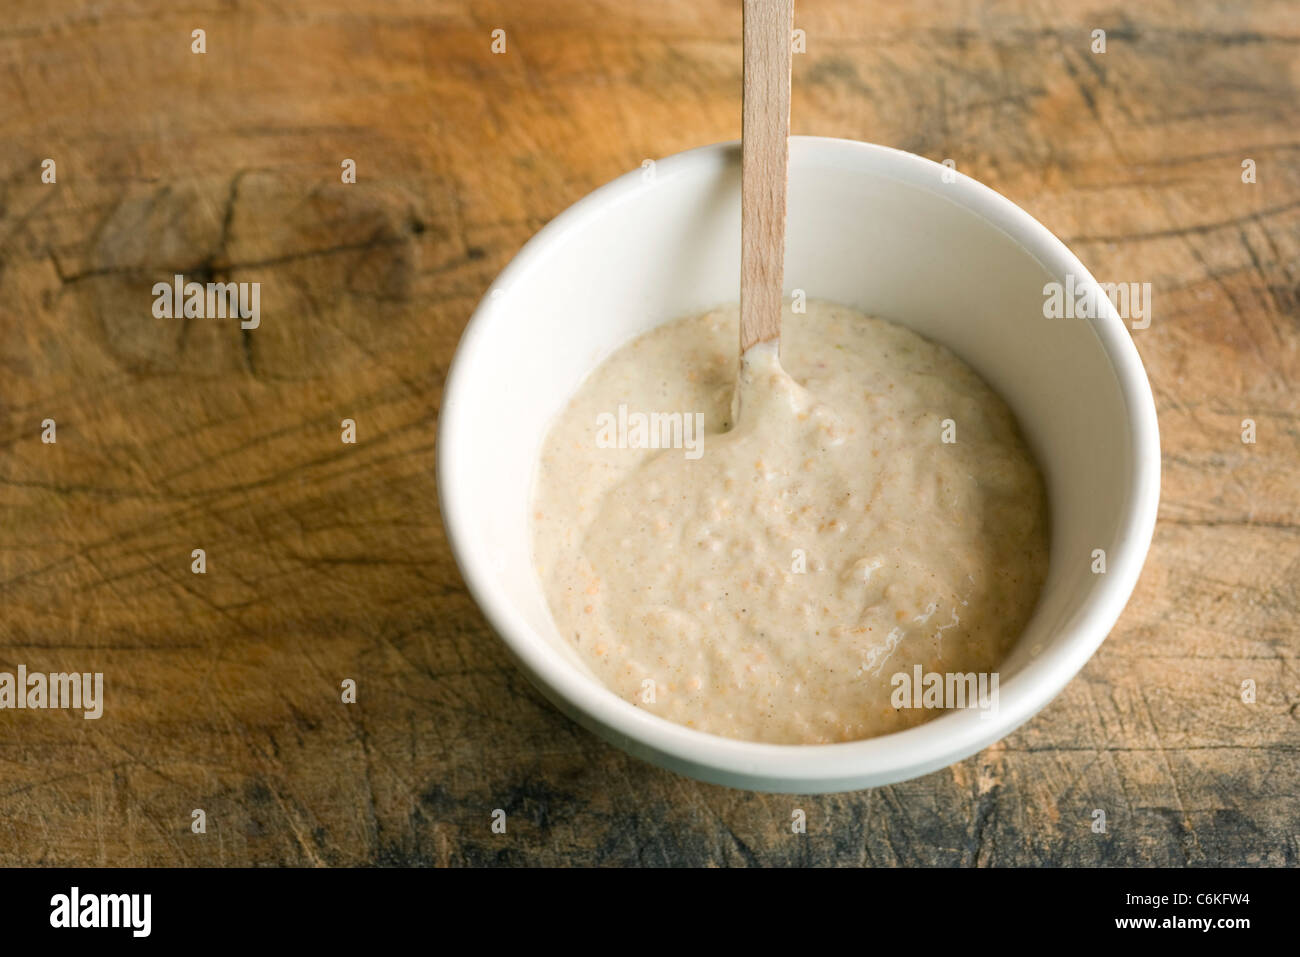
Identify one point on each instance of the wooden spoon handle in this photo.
(765, 138)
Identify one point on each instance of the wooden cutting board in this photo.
(326, 561)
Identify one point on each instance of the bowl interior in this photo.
(869, 227)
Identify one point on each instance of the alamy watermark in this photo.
(1077, 299)
(651, 430)
(945, 690)
(74, 909)
(59, 690)
(179, 299)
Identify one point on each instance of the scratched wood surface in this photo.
(328, 561)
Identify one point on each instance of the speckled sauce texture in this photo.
(767, 582)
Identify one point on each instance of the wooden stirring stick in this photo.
(765, 156)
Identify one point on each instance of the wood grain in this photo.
(764, 167)
(327, 561)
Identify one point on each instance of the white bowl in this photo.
(870, 227)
